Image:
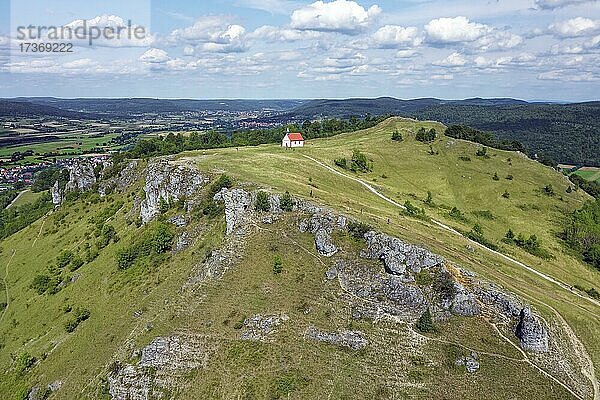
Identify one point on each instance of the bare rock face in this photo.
(322, 225)
(57, 194)
(464, 302)
(354, 340)
(491, 295)
(398, 255)
(81, 176)
(531, 332)
(126, 177)
(262, 327)
(162, 363)
(324, 243)
(169, 183)
(237, 207)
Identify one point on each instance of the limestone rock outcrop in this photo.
(81, 178)
(168, 183)
(237, 207)
(354, 340)
(531, 332)
(398, 255)
(162, 362)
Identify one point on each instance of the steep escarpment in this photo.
(255, 298)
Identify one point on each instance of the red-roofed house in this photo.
(292, 140)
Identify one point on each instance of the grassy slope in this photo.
(411, 172)
(35, 324)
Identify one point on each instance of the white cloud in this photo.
(442, 77)
(568, 75)
(337, 16)
(270, 6)
(122, 35)
(394, 36)
(453, 60)
(213, 34)
(155, 56)
(575, 27)
(455, 30)
(552, 4)
(277, 34)
(406, 53)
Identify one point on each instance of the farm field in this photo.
(589, 173)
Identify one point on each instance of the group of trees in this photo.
(530, 244)
(149, 248)
(172, 143)
(426, 136)
(358, 163)
(484, 138)
(16, 218)
(583, 232)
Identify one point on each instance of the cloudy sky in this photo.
(530, 49)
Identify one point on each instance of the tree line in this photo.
(175, 143)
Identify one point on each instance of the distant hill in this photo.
(26, 109)
(566, 132)
(132, 106)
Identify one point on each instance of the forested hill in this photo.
(568, 133)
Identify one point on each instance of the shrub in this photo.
(506, 194)
(76, 263)
(340, 162)
(414, 211)
(496, 177)
(80, 315)
(425, 136)
(277, 265)
(397, 136)
(456, 214)
(223, 181)
(163, 205)
(548, 190)
(444, 285)
(425, 322)
(509, 177)
(286, 202)
(158, 239)
(358, 229)
(262, 201)
(24, 362)
(360, 162)
(211, 209)
(41, 283)
(429, 199)
(64, 258)
(482, 152)
(476, 234)
(464, 158)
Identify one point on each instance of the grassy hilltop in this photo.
(129, 308)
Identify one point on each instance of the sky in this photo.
(294, 49)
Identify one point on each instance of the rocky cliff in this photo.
(168, 183)
(81, 178)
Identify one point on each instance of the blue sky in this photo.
(530, 49)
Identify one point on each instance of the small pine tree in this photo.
(496, 177)
(506, 195)
(510, 234)
(262, 201)
(425, 322)
(286, 202)
(397, 136)
(277, 265)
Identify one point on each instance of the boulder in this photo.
(354, 340)
(398, 255)
(470, 362)
(261, 327)
(531, 332)
(324, 243)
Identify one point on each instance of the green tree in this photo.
(425, 322)
(277, 265)
(397, 136)
(360, 162)
(262, 201)
(286, 202)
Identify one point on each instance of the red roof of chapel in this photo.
(295, 136)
